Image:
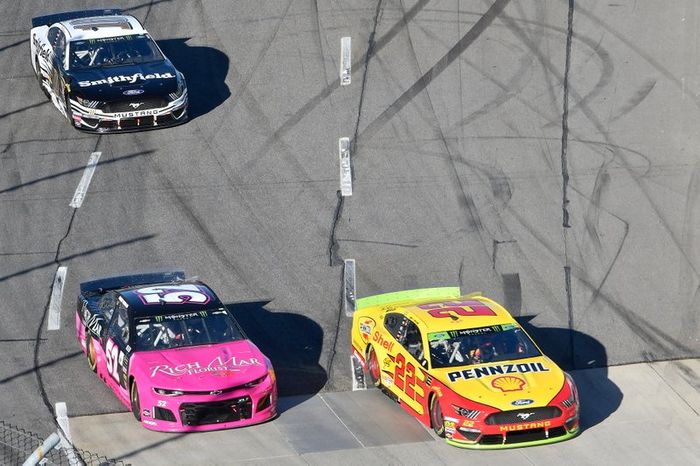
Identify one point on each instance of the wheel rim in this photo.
(436, 414)
(92, 356)
(374, 365)
(135, 405)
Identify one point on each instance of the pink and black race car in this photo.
(173, 353)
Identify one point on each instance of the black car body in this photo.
(105, 73)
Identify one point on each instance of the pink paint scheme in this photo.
(207, 374)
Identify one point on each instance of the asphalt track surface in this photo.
(541, 152)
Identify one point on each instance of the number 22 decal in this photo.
(405, 377)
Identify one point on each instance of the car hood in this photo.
(209, 367)
(505, 385)
(110, 83)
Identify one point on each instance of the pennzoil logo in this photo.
(508, 383)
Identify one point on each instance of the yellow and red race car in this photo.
(463, 366)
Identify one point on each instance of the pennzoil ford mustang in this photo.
(103, 72)
(173, 354)
(463, 366)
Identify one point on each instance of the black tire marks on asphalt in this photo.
(635, 100)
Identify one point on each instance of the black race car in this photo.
(105, 73)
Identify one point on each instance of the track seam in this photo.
(333, 247)
(565, 180)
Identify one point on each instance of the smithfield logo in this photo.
(133, 92)
(135, 105)
(524, 416)
(522, 402)
(129, 79)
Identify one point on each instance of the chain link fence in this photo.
(17, 444)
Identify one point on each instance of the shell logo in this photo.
(508, 383)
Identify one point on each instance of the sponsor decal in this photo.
(162, 403)
(147, 413)
(126, 79)
(217, 366)
(387, 363)
(387, 379)
(133, 92)
(449, 426)
(526, 426)
(366, 326)
(43, 52)
(500, 369)
(379, 339)
(468, 423)
(150, 423)
(508, 383)
(522, 402)
(91, 321)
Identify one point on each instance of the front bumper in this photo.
(465, 433)
(197, 413)
(96, 121)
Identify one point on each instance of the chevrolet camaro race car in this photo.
(102, 70)
(463, 366)
(173, 354)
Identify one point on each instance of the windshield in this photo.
(113, 51)
(479, 345)
(185, 329)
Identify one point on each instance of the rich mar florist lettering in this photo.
(191, 368)
(126, 79)
(479, 372)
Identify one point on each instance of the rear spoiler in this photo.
(112, 283)
(410, 296)
(48, 20)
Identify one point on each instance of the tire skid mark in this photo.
(635, 100)
(463, 44)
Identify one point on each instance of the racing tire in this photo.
(135, 403)
(91, 354)
(437, 421)
(374, 371)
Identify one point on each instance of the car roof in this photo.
(471, 311)
(99, 27)
(138, 307)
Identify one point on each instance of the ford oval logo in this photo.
(522, 402)
(133, 92)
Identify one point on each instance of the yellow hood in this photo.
(505, 385)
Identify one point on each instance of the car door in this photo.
(117, 349)
(402, 360)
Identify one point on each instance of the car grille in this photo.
(523, 415)
(146, 104)
(529, 435)
(197, 414)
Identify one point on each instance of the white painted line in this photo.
(62, 419)
(56, 298)
(345, 60)
(349, 287)
(341, 421)
(82, 188)
(345, 167)
(66, 442)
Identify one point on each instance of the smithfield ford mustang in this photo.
(173, 354)
(463, 366)
(104, 73)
